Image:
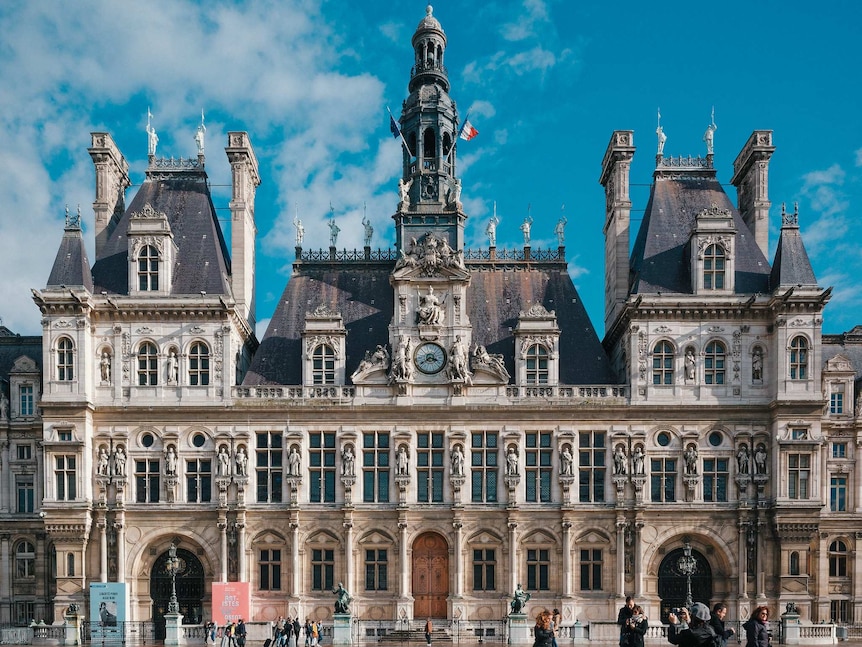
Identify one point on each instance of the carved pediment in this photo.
(269, 537)
(592, 537)
(24, 364)
(537, 311)
(485, 537)
(375, 538)
(839, 363)
(430, 255)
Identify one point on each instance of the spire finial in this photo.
(709, 135)
(429, 10)
(199, 135)
(662, 138)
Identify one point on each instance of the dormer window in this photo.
(537, 364)
(323, 365)
(799, 358)
(65, 360)
(714, 266)
(148, 269)
(25, 400)
(836, 400)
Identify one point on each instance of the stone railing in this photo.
(582, 395)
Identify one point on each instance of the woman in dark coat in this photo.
(756, 629)
(635, 628)
(543, 634)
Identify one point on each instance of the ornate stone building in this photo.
(433, 425)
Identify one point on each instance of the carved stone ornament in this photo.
(430, 254)
(706, 241)
(543, 340)
(148, 212)
(139, 242)
(714, 211)
(536, 311)
(313, 342)
(323, 311)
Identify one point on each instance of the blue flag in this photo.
(393, 126)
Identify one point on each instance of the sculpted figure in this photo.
(519, 599)
(743, 459)
(567, 462)
(512, 462)
(430, 312)
(223, 462)
(491, 230)
(171, 461)
(103, 462)
(525, 228)
(293, 463)
(457, 461)
(620, 467)
(690, 457)
(105, 367)
(638, 460)
(241, 462)
(347, 462)
(119, 461)
(401, 461)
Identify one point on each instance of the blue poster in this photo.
(108, 610)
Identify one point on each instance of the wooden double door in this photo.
(430, 576)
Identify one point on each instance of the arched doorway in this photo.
(190, 589)
(430, 576)
(672, 583)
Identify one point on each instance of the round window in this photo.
(663, 439)
(198, 440)
(716, 438)
(147, 440)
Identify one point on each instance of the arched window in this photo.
(662, 363)
(429, 145)
(537, 364)
(713, 268)
(794, 563)
(323, 365)
(148, 365)
(25, 560)
(713, 363)
(148, 269)
(70, 564)
(799, 358)
(837, 559)
(199, 364)
(65, 360)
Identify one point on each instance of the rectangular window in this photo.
(839, 450)
(270, 570)
(591, 569)
(24, 452)
(663, 480)
(65, 435)
(430, 461)
(65, 475)
(25, 399)
(26, 494)
(838, 494)
(484, 458)
(716, 476)
(375, 467)
(799, 468)
(25, 612)
(591, 467)
(538, 457)
(840, 611)
(836, 400)
(321, 467)
(322, 569)
(147, 477)
(484, 569)
(538, 569)
(376, 570)
(199, 481)
(269, 466)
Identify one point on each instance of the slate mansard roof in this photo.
(361, 293)
(202, 259)
(660, 257)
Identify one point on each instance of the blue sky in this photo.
(546, 82)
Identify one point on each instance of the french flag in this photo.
(468, 132)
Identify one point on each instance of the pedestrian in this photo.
(691, 627)
(719, 612)
(429, 628)
(756, 629)
(556, 618)
(624, 615)
(308, 632)
(297, 628)
(543, 635)
(239, 630)
(635, 628)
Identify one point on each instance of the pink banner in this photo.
(230, 602)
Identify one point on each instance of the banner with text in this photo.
(231, 601)
(108, 610)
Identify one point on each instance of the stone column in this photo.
(621, 558)
(120, 526)
(638, 560)
(513, 555)
(296, 586)
(567, 558)
(5, 567)
(741, 552)
(348, 554)
(403, 583)
(459, 560)
(103, 548)
(240, 547)
(222, 527)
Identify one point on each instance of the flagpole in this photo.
(400, 134)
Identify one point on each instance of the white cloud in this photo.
(859, 157)
(823, 190)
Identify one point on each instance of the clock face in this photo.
(430, 358)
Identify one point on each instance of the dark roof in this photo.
(791, 265)
(660, 257)
(848, 344)
(202, 259)
(14, 346)
(71, 266)
(362, 294)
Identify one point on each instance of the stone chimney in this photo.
(616, 167)
(112, 180)
(751, 179)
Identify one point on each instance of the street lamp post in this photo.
(173, 566)
(687, 565)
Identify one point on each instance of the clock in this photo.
(430, 358)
